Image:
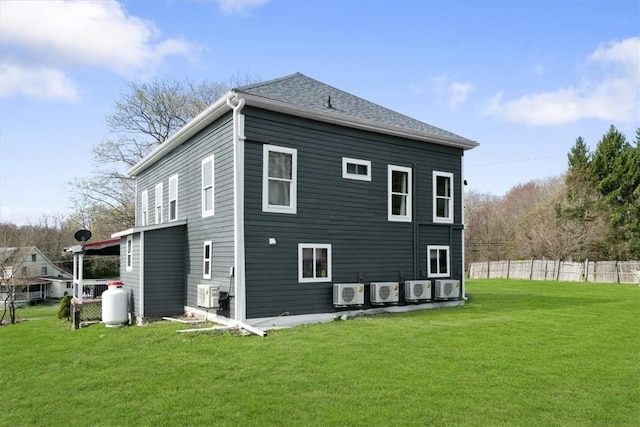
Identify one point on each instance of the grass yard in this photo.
(518, 353)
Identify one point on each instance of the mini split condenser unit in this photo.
(384, 292)
(447, 289)
(415, 290)
(348, 294)
(208, 296)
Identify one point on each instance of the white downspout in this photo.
(464, 272)
(239, 301)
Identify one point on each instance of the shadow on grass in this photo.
(517, 301)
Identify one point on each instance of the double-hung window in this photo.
(442, 197)
(399, 189)
(314, 262)
(207, 187)
(129, 253)
(207, 257)
(173, 198)
(279, 179)
(145, 208)
(356, 169)
(159, 203)
(438, 261)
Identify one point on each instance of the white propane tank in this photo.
(115, 301)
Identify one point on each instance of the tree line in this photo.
(591, 212)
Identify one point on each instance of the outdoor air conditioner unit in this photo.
(208, 296)
(384, 292)
(415, 290)
(446, 289)
(348, 294)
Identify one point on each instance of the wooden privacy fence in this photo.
(564, 271)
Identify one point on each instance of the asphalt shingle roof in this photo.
(300, 90)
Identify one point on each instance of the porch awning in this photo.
(101, 247)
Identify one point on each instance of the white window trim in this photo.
(437, 219)
(206, 275)
(173, 178)
(266, 207)
(210, 212)
(314, 246)
(129, 254)
(158, 203)
(346, 161)
(391, 216)
(145, 207)
(438, 248)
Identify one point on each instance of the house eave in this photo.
(220, 107)
(353, 122)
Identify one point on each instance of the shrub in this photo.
(64, 312)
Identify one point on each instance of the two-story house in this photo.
(294, 200)
(33, 276)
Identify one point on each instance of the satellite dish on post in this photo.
(82, 236)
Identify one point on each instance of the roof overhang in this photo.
(135, 230)
(101, 247)
(221, 107)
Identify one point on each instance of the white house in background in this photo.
(33, 274)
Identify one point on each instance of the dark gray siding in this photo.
(216, 139)
(350, 215)
(164, 272)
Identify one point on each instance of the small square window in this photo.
(33, 257)
(356, 169)
(314, 262)
(438, 261)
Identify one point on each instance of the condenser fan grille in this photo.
(385, 292)
(418, 290)
(348, 294)
(448, 288)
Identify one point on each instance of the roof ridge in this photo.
(267, 82)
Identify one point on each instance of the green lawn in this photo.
(518, 353)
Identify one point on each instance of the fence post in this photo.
(617, 273)
(558, 274)
(586, 269)
(531, 272)
(488, 269)
(508, 268)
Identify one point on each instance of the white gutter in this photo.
(239, 301)
(464, 273)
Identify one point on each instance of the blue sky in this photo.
(522, 78)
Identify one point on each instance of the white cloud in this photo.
(239, 7)
(459, 93)
(455, 92)
(614, 95)
(41, 82)
(57, 35)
